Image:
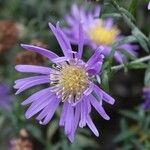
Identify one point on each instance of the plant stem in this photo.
(143, 59)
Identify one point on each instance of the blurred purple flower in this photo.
(149, 6)
(4, 97)
(146, 92)
(97, 32)
(71, 83)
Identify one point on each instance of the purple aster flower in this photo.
(97, 32)
(146, 92)
(149, 6)
(4, 97)
(71, 85)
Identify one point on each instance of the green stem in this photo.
(143, 59)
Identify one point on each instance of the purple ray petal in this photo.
(100, 93)
(92, 126)
(38, 106)
(44, 112)
(36, 96)
(62, 40)
(109, 23)
(33, 69)
(60, 59)
(149, 6)
(97, 11)
(54, 105)
(42, 51)
(68, 121)
(97, 57)
(89, 89)
(98, 107)
(21, 82)
(76, 122)
(81, 41)
(96, 69)
(119, 57)
(83, 113)
(75, 11)
(70, 21)
(63, 114)
(33, 83)
(88, 104)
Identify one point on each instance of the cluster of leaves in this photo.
(134, 134)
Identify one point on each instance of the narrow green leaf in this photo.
(52, 128)
(125, 40)
(130, 115)
(112, 15)
(141, 39)
(127, 13)
(137, 66)
(124, 136)
(127, 54)
(105, 80)
(133, 6)
(147, 76)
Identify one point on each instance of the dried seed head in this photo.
(8, 35)
(23, 142)
(28, 57)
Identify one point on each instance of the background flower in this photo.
(146, 94)
(5, 99)
(8, 35)
(149, 5)
(97, 32)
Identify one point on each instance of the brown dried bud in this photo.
(23, 133)
(22, 143)
(8, 35)
(31, 58)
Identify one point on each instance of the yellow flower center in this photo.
(73, 79)
(102, 35)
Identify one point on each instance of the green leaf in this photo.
(52, 128)
(56, 146)
(141, 39)
(125, 40)
(137, 144)
(130, 114)
(112, 15)
(84, 141)
(127, 54)
(123, 124)
(127, 13)
(35, 132)
(133, 6)
(124, 136)
(147, 76)
(137, 66)
(105, 80)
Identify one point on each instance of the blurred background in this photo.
(26, 21)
